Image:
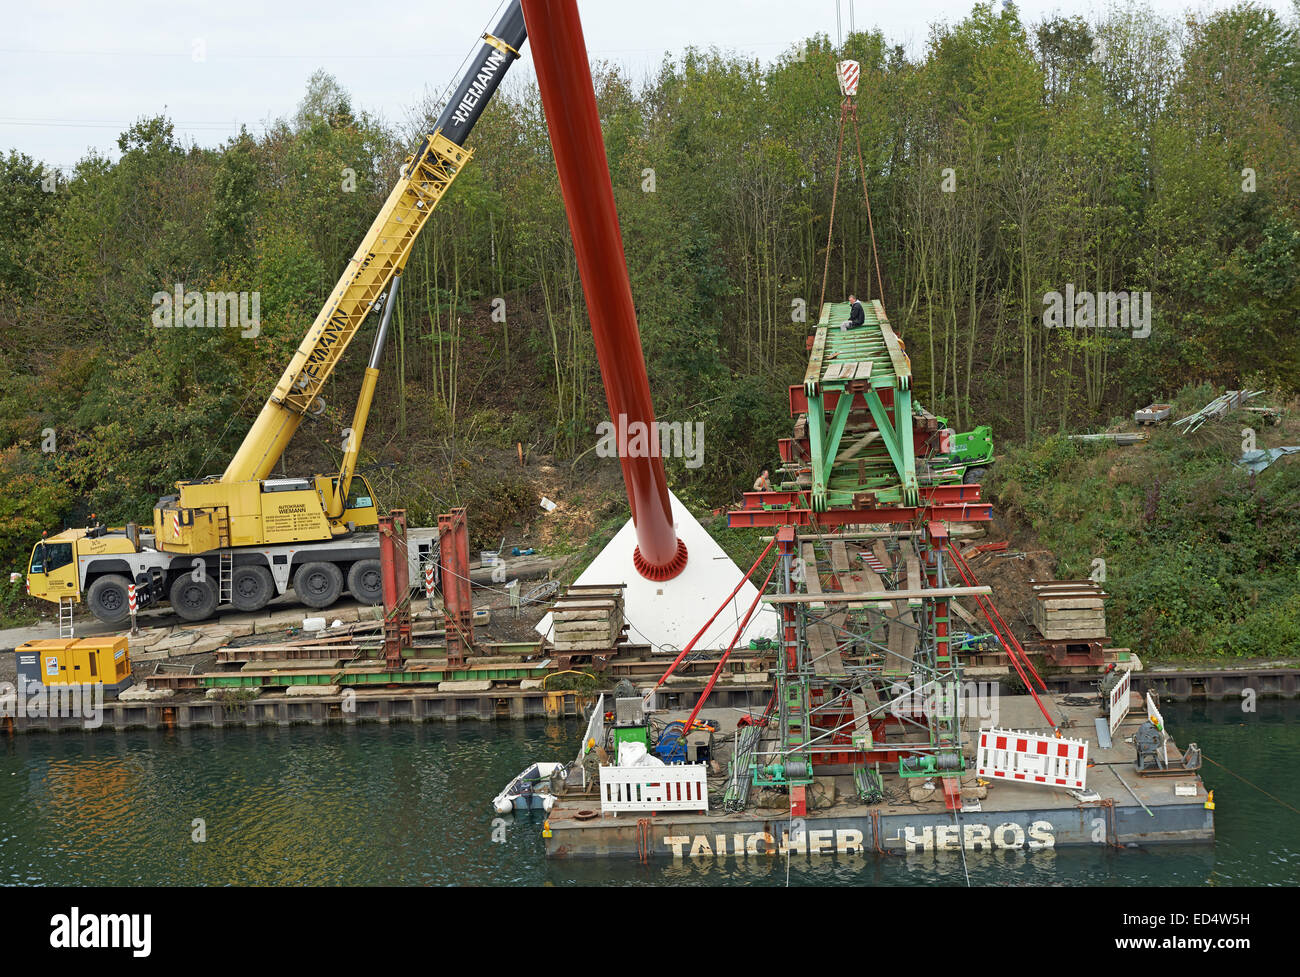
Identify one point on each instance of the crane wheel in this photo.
(366, 582)
(194, 600)
(318, 584)
(107, 598)
(251, 587)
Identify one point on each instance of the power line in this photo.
(420, 56)
(88, 124)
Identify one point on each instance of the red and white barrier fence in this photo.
(1032, 758)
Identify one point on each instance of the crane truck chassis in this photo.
(96, 565)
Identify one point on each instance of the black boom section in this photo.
(485, 72)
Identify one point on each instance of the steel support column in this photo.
(396, 586)
(457, 602)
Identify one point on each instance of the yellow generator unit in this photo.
(77, 662)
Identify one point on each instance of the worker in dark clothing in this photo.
(856, 316)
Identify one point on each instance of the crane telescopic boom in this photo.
(380, 257)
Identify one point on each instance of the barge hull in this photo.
(756, 837)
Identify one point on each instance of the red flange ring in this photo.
(673, 567)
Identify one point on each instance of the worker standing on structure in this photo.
(856, 316)
(763, 483)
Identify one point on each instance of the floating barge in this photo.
(866, 743)
(1129, 810)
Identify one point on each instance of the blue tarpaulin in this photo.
(1256, 461)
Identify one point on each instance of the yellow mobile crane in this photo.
(240, 537)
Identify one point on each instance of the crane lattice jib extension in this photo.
(382, 253)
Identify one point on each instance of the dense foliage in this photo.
(1201, 558)
(1004, 161)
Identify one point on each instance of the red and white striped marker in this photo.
(848, 72)
(428, 580)
(176, 524)
(131, 604)
(875, 564)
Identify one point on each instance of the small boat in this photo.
(530, 791)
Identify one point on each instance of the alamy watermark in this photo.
(1124, 311)
(965, 700)
(32, 700)
(208, 310)
(662, 439)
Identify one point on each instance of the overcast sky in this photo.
(75, 74)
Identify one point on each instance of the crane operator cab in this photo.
(52, 572)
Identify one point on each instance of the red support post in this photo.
(569, 100)
(457, 602)
(798, 801)
(789, 629)
(396, 587)
(952, 793)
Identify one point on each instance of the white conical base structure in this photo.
(666, 615)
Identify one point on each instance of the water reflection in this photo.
(410, 804)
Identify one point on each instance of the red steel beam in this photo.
(945, 494)
(799, 399)
(569, 100)
(396, 587)
(457, 600)
(737, 518)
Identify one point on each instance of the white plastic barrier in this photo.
(677, 787)
(1031, 758)
(1158, 721)
(1153, 714)
(1120, 697)
(595, 734)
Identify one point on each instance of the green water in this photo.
(410, 805)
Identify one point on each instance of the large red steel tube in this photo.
(569, 100)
